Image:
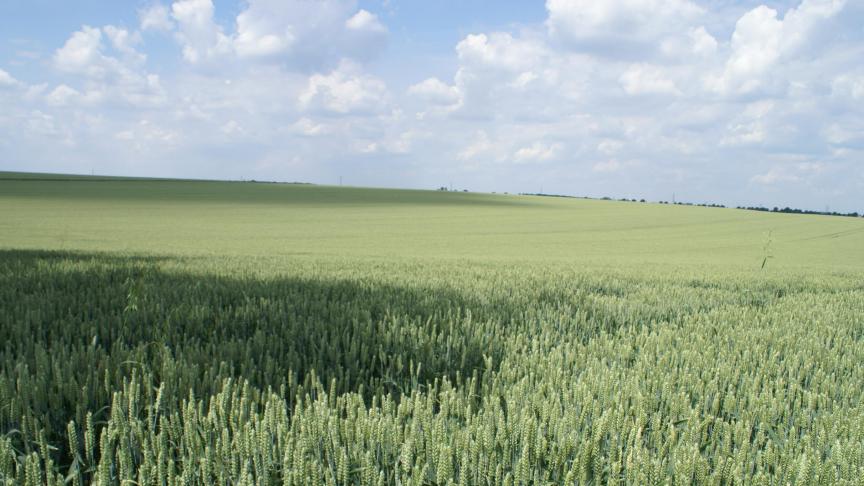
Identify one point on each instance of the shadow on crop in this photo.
(109, 313)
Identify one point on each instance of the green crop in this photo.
(165, 332)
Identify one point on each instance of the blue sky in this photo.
(736, 102)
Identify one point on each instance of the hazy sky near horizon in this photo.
(735, 102)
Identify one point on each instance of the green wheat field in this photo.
(167, 332)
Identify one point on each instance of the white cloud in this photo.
(303, 34)
(844, 135)
(751, 126)
(481, 146)
(742, 133)
(702, 42)
(803, 23)
(774, 176)
(524, 79)
(395, 145)
(62, 95)
(499, 50)
(261, 32)
(202, 39)
(146, 136)
(248, 44)
(810, 167)
(232, 127)
(436, 92)
(156, 17)
(7, 81)
(82, 53)
(507, 149)
(345, 90)
(125, 42)
(610, 165)
(42, 123)
(85, 52)
(618, 28)
(800, 172)
(363, 21)
(698, 42)
(640, 79)
(609, 147)
(309, 128)
(112, 70)
(755, 48)
(849, 86)
(762, 40)
(65, 96)
(538, 152)
(35, 92)
(502, 71)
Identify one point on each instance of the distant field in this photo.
(192, 332)
(233, 218)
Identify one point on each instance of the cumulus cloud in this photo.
(232, 127)
(345, 90)
(538, 152)
(800, 172)
(7, 81)
(702, 43)
(303, 34)
(619, 28)
(849, 86)
(697, 43)
(481, 146)
(306, 127)
(499, 51)
(42, 123)
(109, 60)
(199, 34)
(82, 53)
(640, 79)
(125, 42)
(501, 66)
(762, 39)
(255, 38)
(85, 52)
(751, 126)
(435, 92)
(610, 165)
(62, 95)
(365, 22)
(388, 145)
(156, 17)
(144, 135)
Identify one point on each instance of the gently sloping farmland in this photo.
(189, 332)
